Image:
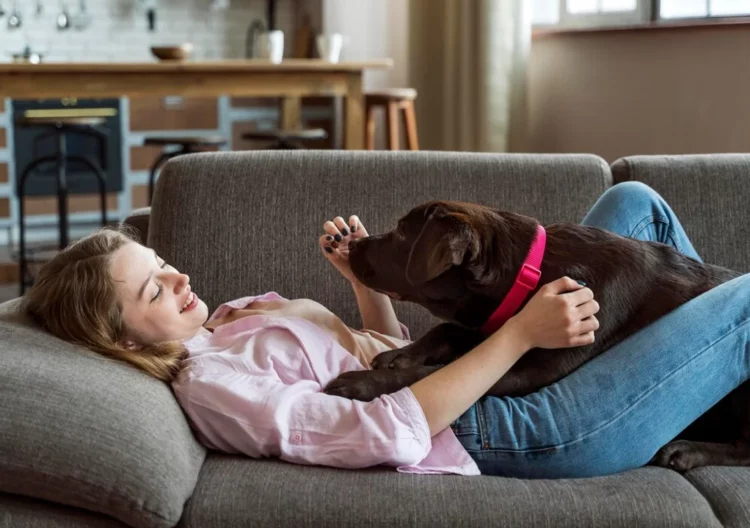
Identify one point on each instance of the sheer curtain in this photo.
(467, 59)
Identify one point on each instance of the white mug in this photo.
(270, 45)
(330, 46)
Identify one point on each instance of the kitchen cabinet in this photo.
(173, 113)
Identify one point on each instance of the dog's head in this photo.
(447, 257)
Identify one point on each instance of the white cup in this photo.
(270, 46)
(330, 46)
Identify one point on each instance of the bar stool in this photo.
(187, 145)
(286, 139)
(60, 128)
(392, 100)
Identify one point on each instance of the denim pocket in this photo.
(467, 422)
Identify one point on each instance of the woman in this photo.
(252, 379)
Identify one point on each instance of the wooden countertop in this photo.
(290, 80)
(227, 66)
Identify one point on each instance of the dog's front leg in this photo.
(366, 385)
(439, 346)
(683, 455)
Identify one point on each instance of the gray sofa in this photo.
(85, 441)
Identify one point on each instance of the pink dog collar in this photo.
(526, 280)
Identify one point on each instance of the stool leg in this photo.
(21, 226)
(391, 125)
(154, 168)
(370, 130)
(101, 178)
(62, 189)
(410, 125)
(21, 247)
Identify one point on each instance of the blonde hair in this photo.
(74, 298)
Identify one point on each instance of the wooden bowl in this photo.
(181, 52)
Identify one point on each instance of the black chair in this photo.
(60, 128)
(187, 145)
(286, 139)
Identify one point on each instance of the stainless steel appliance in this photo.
(31, 143)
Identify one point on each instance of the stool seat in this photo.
(192, 141)
(286, 135)
(60, 121)
(187, 144)
(393, 101)
(392, 95)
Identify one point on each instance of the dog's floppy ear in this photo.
(442, 243)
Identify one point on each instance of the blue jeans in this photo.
(616, 411)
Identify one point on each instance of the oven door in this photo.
(31, 143)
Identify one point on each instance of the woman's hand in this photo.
(335, 243)
(559, 315)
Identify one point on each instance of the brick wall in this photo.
(119, 31)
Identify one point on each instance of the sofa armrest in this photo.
(139, 220)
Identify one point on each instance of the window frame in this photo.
(642, 13)
(646, 12)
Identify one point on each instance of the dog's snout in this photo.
(363, 270)
(359, 261)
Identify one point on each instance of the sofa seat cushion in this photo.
(82, 430)
(728, 491)
(236, 491)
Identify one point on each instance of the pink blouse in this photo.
(254, 386)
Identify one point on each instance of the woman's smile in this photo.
(190, 302)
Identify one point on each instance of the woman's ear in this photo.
(129, 345)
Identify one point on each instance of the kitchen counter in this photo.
(290, 80)
(227, 65)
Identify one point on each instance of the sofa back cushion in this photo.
(82, 430)
(248, 222)
(710, 194)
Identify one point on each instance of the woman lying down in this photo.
(252, 377)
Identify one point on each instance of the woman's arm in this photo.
(560, 315)
(377, 311)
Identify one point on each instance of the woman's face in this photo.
(158, 304)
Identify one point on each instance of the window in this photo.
(591, 13)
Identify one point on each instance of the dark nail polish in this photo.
(345, 232)
(582, 283)
(329, 238)
(354, 228)
(337, 238)
(328, 250)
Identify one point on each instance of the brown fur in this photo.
(459, 260)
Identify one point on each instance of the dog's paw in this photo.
(398, 359)
(363, 385)
(679, 455)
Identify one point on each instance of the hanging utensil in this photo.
(39, 8)
(15, 20)
(63, 19)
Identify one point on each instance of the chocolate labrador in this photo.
(460, 260)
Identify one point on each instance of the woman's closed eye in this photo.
(158, 291)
